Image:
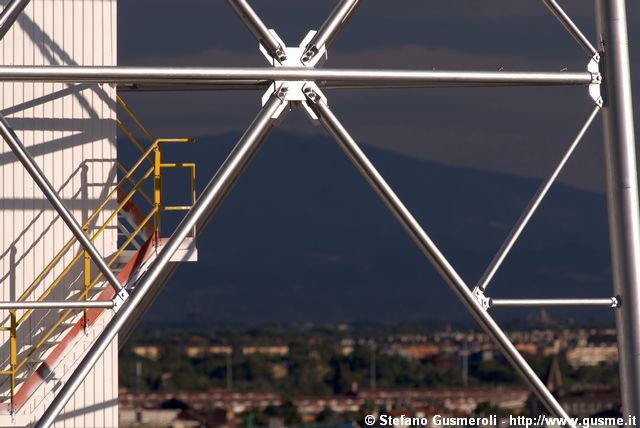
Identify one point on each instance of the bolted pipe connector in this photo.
(280, 54)
(311, 94)
(616, 302)
(311, 52)
(282, 92)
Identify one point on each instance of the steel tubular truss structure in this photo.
(294, 79)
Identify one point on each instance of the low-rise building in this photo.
(274, 350)
(414, 351)
(147, 351)
(590, 355)
(201, 351)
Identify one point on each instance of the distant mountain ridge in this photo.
(303, 238)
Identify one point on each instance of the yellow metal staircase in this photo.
(38, 338)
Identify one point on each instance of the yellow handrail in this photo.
(135, 118)
(130, 180)
(131, 137)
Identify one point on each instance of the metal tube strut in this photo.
(330, 28)
(522, 222)
(571, 27)
(10, 14)
(611, 302)
(429, 249)
(47, 189)
(199, 215)
(253, 22)
(254, 75)
(622, 193)
(108, 304)
(263, 85)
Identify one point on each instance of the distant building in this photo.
(147, 351)
(527, 348)
(226, 408)
(346, 347)
(591, 355)
(279, 370)
(274, 350)
(414, 351)
(148, 417)
(201, 351)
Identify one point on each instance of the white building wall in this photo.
(70, 131)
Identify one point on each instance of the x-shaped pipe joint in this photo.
(311, 53)
(293, 93)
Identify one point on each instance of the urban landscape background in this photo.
(334, 375)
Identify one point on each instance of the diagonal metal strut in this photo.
(431, 251)
(199, 215)
(10, 14)
(260, 31)
(330, 28)
(522, 222)
(571, 27)
(49, 192)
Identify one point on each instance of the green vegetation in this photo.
(315, 363)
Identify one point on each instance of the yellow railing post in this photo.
(13, 351)
(157, 188)
(193, 193)
(87, 278)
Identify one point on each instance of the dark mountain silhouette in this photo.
(303, 238)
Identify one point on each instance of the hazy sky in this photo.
(521, 131)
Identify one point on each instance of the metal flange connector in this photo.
(282, 92)
(119, 299)
(595, 91)
(484, 301)
(616, 302)
(308, 55)
(280, 54)
(312, 95)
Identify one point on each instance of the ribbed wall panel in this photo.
(70, 131)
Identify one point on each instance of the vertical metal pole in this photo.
(229, 372)
(622, 193)
(157, 190)
(87, 279)
(465, 363)
(138, 379)
(372, 366)
(13, 354)
(211, 198)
